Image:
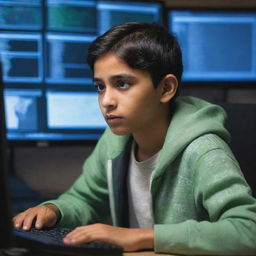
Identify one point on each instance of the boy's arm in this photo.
(87, 200)
(223, 193)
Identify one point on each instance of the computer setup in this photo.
(47, 94)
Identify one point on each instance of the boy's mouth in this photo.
(112, 119)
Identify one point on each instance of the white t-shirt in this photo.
(139, 195)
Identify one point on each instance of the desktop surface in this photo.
(142, 253)
(145, 253)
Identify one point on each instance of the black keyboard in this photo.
(50, 240)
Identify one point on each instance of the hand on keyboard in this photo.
(50, 240)
(47, 216)
(129, 239)
(39, 216)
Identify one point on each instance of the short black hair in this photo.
(144, 46)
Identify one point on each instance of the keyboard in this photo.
(50, 240)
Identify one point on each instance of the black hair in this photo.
(145, 46)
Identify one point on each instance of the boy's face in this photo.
(127, 98)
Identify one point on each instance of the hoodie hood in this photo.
(192, 118)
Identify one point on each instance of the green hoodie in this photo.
(201, 203)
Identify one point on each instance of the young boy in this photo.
(163, 171)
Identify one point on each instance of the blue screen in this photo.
(112, 13)
(217, 46)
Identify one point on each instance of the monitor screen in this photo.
(217, 46)
(73, 110)
(75, 15)
(21, 15)
(21, 55)
(112, 13)
(48, 92)
(67, 115)
(66, 55)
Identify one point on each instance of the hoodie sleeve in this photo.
(219, 189)
(87, 200)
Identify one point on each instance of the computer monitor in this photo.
(5, 218)
(111, 13)
(66, 59)
(72, 15)
(21, 15)
(21, 55)
(216, 45)
(52, 115)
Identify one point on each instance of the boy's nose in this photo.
(108, 100)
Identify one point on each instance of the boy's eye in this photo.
(123, 84)
(99, 87)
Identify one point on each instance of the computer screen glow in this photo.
(217, 46)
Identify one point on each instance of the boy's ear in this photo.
(169, 86)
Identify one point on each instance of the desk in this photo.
(145, 254)
(28, 253)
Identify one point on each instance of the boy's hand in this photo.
(129, 239)
(39, 216)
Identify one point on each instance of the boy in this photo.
(163, 171)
